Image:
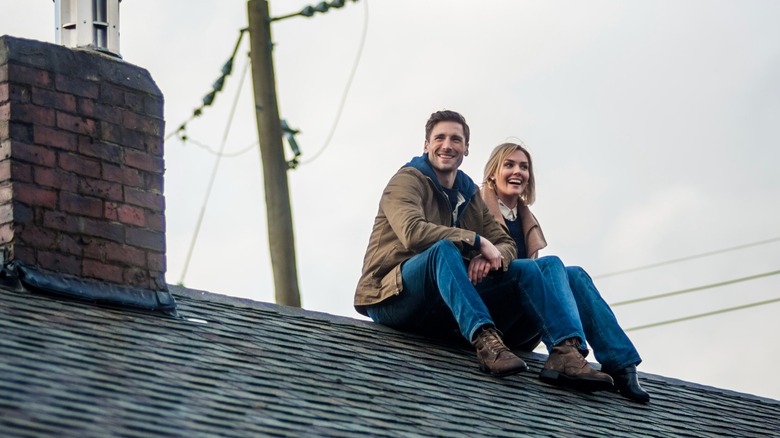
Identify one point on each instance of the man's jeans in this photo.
(610, 344)
(438, 296)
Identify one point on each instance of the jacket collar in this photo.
(532, 231)
(463, 182)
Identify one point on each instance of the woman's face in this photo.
(512, 177)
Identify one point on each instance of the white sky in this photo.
(653, 126)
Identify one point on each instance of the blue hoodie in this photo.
(463, 183)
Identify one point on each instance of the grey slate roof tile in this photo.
(256, 369)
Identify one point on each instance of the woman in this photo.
(509, 188)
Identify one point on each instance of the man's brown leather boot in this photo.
(493, 356)
(567, 367)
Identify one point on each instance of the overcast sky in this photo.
(654, 128)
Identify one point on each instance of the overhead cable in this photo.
(208, 99)
(346, 88)
(693, 289)
(681, 259)
(702, 315)
(213, 176)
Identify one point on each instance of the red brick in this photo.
(153, 182)
(80, 125)
(149, 125)
(20, 132)
(155, 221)
(76, 86)
(109, 231)
(25, 255)
(21, 172)
(132, 215)
(136, 277)
(33, 154)
(144, 161)
(68, 245)
(142, 198)
(81, 205)
(126, 254)
(26, 75)
(155, 261)
(127, 176)
(37, 115)
(58, 220)
(102, 271)
(53, 99)
(145, 239)
(19, 93)
(37, 237)
(57, 138)
(104, 151)
(111, 95)
(119, 135)
(62, 263)
(154, 145)
(80, 165)
(105, 190)
(108, 113)
(153, 106)
(94, 248)
(86, 107)
(135, 102)
(55, 179)
(31, 194)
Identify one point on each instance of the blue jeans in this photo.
(609, 342)
(437, 294)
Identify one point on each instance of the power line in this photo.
(681, 259)
(207, 148)
(346, 88)
(693, 289)
(213, 175)
(702, 315)
(208, 99)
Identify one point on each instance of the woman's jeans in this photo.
(531, 297)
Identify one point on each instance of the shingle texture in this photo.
(235, 368)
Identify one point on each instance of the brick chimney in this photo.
(81, 173)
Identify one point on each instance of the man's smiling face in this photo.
(446, 148)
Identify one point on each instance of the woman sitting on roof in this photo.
(508, 189)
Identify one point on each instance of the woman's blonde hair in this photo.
(497, 158)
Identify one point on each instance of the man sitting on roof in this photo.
(437, 257)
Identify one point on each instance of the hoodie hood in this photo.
(463, 183)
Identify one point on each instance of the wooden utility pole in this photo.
(269, 130)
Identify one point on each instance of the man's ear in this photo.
(425, 147)
(466, 152)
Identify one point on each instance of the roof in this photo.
(234, 367)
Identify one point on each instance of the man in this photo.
(437, 257)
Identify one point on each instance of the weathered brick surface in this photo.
(81, 164)
(34, 154)
(81, 205)
(46, 136)
(103, 271)
(55, 179)
(53, 99)
(105, 190)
